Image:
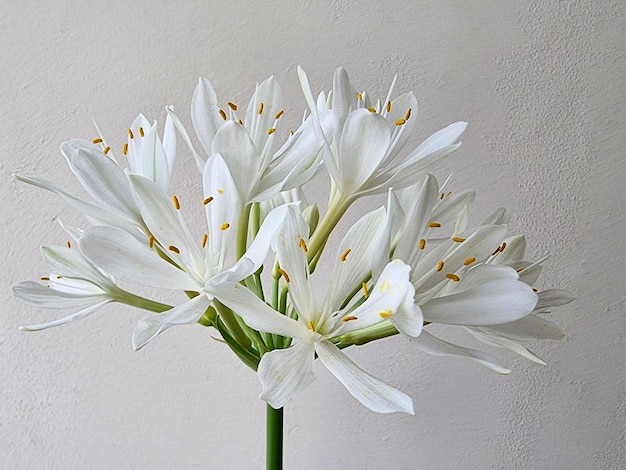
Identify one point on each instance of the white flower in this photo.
(284, 372)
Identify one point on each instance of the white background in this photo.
(543, 86)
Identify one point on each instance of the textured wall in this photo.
(543, 85)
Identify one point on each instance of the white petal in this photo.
(553, 298)
(373, 393)
(501, 342)
(491, 303)
(71, 263)
(268, 93)
(184, 314)
(123, 256)
(408, 319)
(205, 113)
(37, 294)
(529, 328)
(62, 321)
(285, 372)
(256, 313)
(437, 347)
(344, 94)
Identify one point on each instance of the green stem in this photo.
(317, 242)
(274, 443)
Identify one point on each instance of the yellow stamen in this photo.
(125, 149)
(469, 261)
(271, 130)
(285, 275)
(59, 277)
(400, 121)
(141, 132)
(453, 277)
(439, 265)
(240, 121)
(232, 105)
(303, 245)
(371, 110)
(69, 245)
(279, 114)
(220, 191)
(535, 289)
(151, 241)
(207, 200)
(359, 96)
(422, 244)
(386, 313)
(106, 150)
(311, 326)
(176, 202)
(44, 278)
(497, 250)
(96, 141)
(130, 134)
(366, 292)
(503, 247)
(349, 318)
(388, 106)
(291, 131)
(205, 238)
(434, 224)
(225, 226)
(261, 108)
(407, 115)
(345, 254)
(442, 196)
(173, 248)
(223, 114)
(458, 239)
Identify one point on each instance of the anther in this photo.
(96, 141)
(279, 114)
(469, 261)
(176, 202)
(205, 201)
(422, 244)
(44, 278)
(59, 277)
(386, 314)
(407, 115)
(400, 121)
(106, 150)
(225, 226)
(223, 114)
(151, 241)
(439, 266)
(434, 224)
(130, 134)
(345, 254)
(141, 132)
(261, 108)
(349, 318)
(285, 275)
(271, 130)
(125, 149)
(371, 110)
(453, 277)
(503, 246)
(310, 323)
(388, 106)
(458, 239)
(303, 245)
(69, 245)
(173, 248)
(366, 292)
(220, 191)
(232, 105)
(442, 195)
(240, 121)
(205, 238)
(496, 251)
(359, 96)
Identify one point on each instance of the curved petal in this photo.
(437, 347)
(186, 313)
(62, 321)
(286, 372)
(205, 113)
(372, 392)
(505, 343)
(553, 298)
(43, 296)
(529, 328)
(491, 303)
(262, 108)
(71, 263)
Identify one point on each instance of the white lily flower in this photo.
(247, 143)
(191, 265)
(284, 372)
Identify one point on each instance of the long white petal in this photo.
(186, 313)
(62, 321)
(372, 392)
(529, 328)
(437, 347)
(71, 263)
(491, 303)
(505, 343)
(286, 372)
(37, 294)
(205, 114)
(553, 298)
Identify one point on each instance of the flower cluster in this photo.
(410, 263)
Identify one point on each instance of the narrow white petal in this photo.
(186, 313)
(553, 298)
(62, 321)
(344, 94)
(205, 114)
(286, 372)
(437, 347)
(257, 250)
(408, 319)
(372, 392)
(505, 343)
(71, 263)
(268, 93)
(40, 295)
(491, 303)
(529, 328)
